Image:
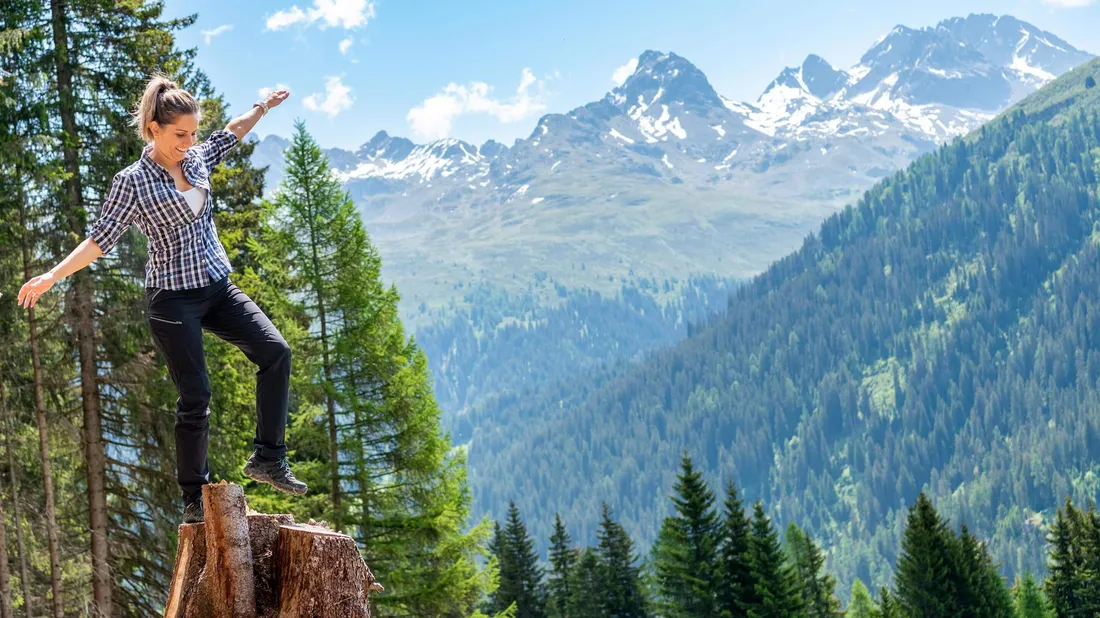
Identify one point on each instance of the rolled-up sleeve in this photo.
(216, 146)
(116, 214)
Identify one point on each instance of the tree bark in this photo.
(73, 208)
(321, 574)
(17, 519)
(43, 430)
(5, 574)
(264, 566)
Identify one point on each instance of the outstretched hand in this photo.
(33, 289)
(275, 97)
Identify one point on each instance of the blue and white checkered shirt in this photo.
(184, 250)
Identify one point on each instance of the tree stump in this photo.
(218, 583)
(238, 565)
(321, 574)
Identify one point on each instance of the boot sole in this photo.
(260, 479)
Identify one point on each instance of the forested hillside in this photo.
(942, 334)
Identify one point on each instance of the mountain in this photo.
(665, 177)
(940, 334)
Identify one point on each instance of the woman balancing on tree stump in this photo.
(166, 192)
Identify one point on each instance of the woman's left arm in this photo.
(241, 125)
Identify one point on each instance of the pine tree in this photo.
(1029, 600)
(737, 588)
(776, 583)
(620, 589)
(687, 548)
(980, 591)
(526, 573)
(563, 559)
(861, 605)
(586, 598)
(889, 605)
(924, 578)
(507, 590)
(1066, 577)
(815, 585)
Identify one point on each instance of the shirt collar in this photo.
(157, 168)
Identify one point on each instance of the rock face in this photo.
(238, 565)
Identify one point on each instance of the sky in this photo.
(489, 69)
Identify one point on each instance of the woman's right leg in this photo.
(175, 320)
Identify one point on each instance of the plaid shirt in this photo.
(184, 249)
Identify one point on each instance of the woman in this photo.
(166, 193)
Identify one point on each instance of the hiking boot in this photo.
(275, 473)
(192, 510)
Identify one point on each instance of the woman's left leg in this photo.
(234, 317)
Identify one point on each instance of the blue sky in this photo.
(488, 69)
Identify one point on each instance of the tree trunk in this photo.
(5, 574)
(17, 519)
(213, 577)
(321, 574)
(73, 208)
(264, 566)
(43, 430)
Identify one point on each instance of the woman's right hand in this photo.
(33, 289)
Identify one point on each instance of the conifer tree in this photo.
(687, 548)
(861, 605)
(924, 579)
(737, 588)
(365, 416)
(563, 559)
(776, 582)
(586, 599)
(1066, 578)
(526, 572)
(620, 589)
(1029, 600)
(815, 585)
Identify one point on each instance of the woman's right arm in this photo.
(118, 212)
(84, 254)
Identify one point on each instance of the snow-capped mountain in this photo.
(936, 82)
(665, 174)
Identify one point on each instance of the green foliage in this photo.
(777, 586)
(861, 604)
(1028, 600)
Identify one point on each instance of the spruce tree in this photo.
(1029, 600)
(526, 572)
(736, 588)
(620, 588)
(687, 547)
(586, 599)
(563, 559)
(889, 605)
(816, 586)
(776, 582)
(1065, 580)
(924, 578)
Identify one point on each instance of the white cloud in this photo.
(210, 34)
(336, 98)
(433, 119)
(1069, 4)
(345, 45)
(327, 13)
(263, 92)
(624, 72)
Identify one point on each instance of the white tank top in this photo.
(196, 197)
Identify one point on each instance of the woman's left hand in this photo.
(275, 97)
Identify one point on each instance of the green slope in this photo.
(942, 334)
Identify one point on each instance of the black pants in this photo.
(177, 319)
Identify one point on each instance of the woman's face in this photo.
(173, 140)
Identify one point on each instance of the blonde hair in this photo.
(164, 101)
